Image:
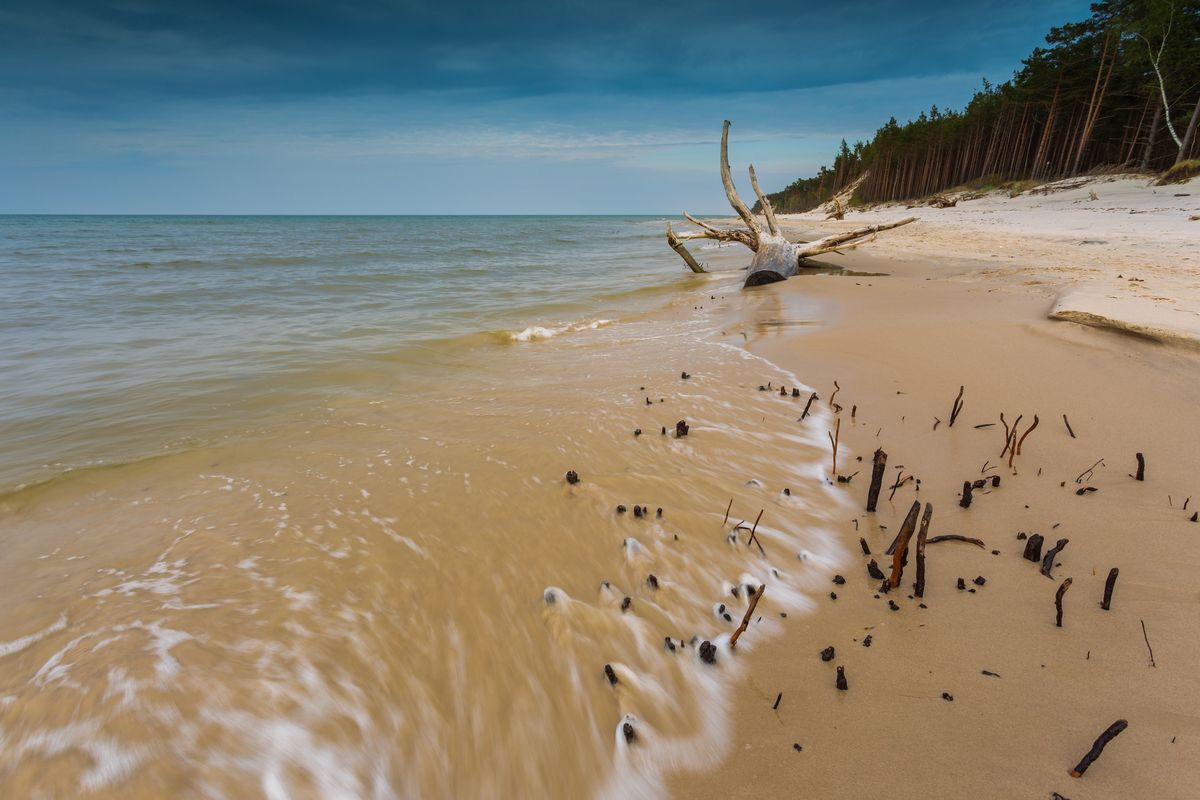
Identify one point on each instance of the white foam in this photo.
(534, 332)
(17, 645)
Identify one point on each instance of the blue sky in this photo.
(477, 107)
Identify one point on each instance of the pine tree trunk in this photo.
(1190, 136)
(1145, 165)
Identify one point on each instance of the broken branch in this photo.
(746, 619)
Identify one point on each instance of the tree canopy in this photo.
(1117, 91)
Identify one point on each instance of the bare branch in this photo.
(768, 212)
(731, 193)
(719, 234)
(835, 241)
(683, 252)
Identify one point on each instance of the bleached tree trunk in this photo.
(775, 258)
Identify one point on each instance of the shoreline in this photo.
(951, 313)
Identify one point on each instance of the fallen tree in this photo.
(775, 258)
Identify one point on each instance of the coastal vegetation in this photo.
(1119, 91)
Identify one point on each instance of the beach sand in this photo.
(968, 301)
(397, 592)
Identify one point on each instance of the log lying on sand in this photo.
(775, 258)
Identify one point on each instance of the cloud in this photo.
(136, 91)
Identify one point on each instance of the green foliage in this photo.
(1181, 172)
(1089, 100)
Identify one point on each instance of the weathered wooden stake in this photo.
(1108, 588)
(878, 465)
(808, 405)
(919, 586)
(1058, 598)
(841, 680)
(1141, 470)
(965, 501)
(1033, 547)
(900, 556)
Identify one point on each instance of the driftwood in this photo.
(1033, 548)
(957, 537)
(1051, 554)
(1098, 747)
(746, 619)
(1106, 603)
(919, 586)
(808, 405)
(775, 258)
(900, 556)
(958, 404)
(834, 437)
(877, 467)
(1058, 598)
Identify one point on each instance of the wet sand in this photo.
(900, 346)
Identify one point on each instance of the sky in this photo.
(360, 106)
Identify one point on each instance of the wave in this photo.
(535, 332)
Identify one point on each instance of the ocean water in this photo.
(283, 507)
(122, 337)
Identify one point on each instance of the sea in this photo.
(373, 507)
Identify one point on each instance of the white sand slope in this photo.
(1111, 251)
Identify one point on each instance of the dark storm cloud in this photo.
(102, 52)
(464, 106)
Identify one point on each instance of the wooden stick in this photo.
(900, 481)
(958, 404)
(957, 537)
(836, 389)
(863, 544)
(727, 508)
(1148, 647)
(833, 440)
(965, 500)
(752, 530)
(919, 586)
(1058, 598)
(746, 619)
(1098, 747)
(877, 468)
(1106, 604)
(841, 679)
(900, 557)
(808, 405)
(1141, 470)
(1088, 472)
(1025, 436)
(1068, 424)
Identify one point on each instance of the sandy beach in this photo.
(979, 694)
